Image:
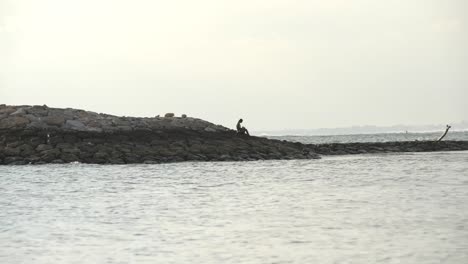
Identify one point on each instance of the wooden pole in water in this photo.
(445, 133)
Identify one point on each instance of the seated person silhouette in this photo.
(240, 129)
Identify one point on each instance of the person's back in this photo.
(240, 129)
(238, 126)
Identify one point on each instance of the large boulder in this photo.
(54, 120)
(37, 125)
(50, 155)
(75, 125)
(210, 129)
(9, 151)
(38, 110)
(68, 157)
(13, 122)
(43, 147)
(7, 110)
(19, 112)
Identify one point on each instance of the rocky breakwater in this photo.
(40, 134)
(388, 147)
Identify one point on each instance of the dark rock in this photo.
(26, 150)
(15, 161)
(69, 157)
(150, 162)
(19, 162)
(175, 159)
(87, 156)
(36, 141)
(116, 161)
(32, 159)
(14, 144)
(124, 128)
(69, 138)
(224, 157)
(8, 151)
(55, 120)
(7, 110)
(101, 156)
(14, 122)
(131, 158)
(43, 147)
(117, 138)
(19, 112)
(139, 140)
(49, 155)
(64, 145)
(74, 151)
(38, 110)
(75, 125)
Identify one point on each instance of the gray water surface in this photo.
(410, 208)
(383, 137)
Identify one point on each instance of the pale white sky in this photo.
(278, 64)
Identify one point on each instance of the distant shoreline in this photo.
(363, 130)
(278, 134)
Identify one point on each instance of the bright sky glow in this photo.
(278, 64)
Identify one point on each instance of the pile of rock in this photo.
(388, 147)
(45, 118)
(39, 134)
(38, 147)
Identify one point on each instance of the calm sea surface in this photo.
(452, 135)
(389, 208)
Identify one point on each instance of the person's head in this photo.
(240, 120)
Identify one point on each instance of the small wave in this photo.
(300, 242)
(217, 185)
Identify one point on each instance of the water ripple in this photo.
(386, 208)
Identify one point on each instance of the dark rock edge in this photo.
(26, 146)
(18, 147)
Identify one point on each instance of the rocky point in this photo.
(40, 134)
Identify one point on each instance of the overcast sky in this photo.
(278, 64)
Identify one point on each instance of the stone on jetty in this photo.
(39, 134)
(388, 147)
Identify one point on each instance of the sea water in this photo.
(452, 135)
(385, 208)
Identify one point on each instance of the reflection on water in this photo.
(410, 208)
